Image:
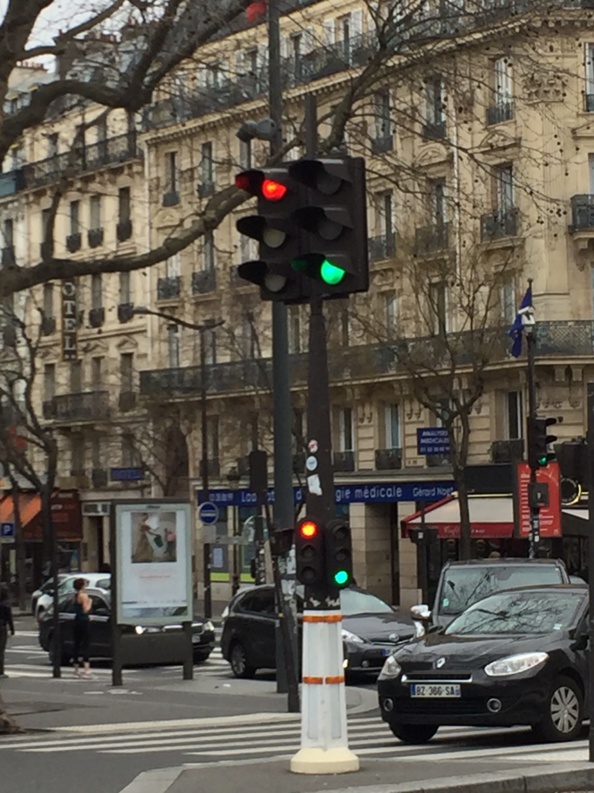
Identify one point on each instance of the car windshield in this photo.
(512, 613)
(353, 601)
(463, 586)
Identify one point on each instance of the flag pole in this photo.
(529, 327)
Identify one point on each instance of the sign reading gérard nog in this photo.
(69, 320)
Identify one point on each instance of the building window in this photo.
(438, 306)
(173, 346)
(208, 251)
(383, 115)
(213, 75)
(343, 326)
(212, 437)
(298, 431)
(514, 415)
(437, 201)
(96, 372)
(508, 302)
(248, 248)
(207, 165)
(8, 232)
(127, 371)
(294, 329)
(248, 346)
(504, 189)
(390, 312)
(385, 205)
(344, 26)
(49, 381)
(345, 430)
(124, 205)
(96, 291)
(392, 425)
(443, 412)
(502, 83)
(130, 455)
(48, 301)
(45, 224)
(435, 101)
(245, 153)
(173, 266)
(53, 144)
(77, 455)
(95, 219)
(171, 166)
(210, 346)
(74, 217)
(590, 77)
(125, 288)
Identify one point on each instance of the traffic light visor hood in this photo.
(318, 174)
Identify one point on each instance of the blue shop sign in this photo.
(364, 493)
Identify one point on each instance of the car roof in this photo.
(503, 561)
(547, 588)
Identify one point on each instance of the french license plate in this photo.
(435, 690)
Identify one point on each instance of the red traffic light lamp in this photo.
(258, 184)
(309, 553)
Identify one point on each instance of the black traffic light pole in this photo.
(534, 508)
(590, 450)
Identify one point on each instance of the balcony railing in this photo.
(431, 239)
(343, 461)
(582, 213)
(125, 312)
(589, 103)
(169, 288)
(73, 242)
(86, 406)
(96, 156)
(499, 225)
(171, 198)
(434, 130)
(203, 281)
(127, 401)
(388, 459)
(205, 189)
(7, 258)
(124, 230)
(99, 477)
(382, 144)
(502, 111)
(48, 326)
(562, 339)
(382, 247)
(95, 237)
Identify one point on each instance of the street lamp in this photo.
(233, 477)
(202, 328)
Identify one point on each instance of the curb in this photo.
(566, 777)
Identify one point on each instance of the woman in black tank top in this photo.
(81, 629)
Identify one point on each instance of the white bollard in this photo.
(324, 740)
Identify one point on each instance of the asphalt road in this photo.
(86, 734)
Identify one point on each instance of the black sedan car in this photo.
(371, 629)
(140, 644)
(517, 657)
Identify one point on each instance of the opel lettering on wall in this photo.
(69, 320)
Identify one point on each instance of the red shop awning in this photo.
(491, 517)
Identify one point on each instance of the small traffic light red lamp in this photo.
(309, 552)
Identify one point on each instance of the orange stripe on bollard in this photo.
(322, 618)
(313, 680)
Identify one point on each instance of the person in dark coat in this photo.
(6, 624)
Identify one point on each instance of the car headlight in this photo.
(391, 667)
(225, 613)
(208, 626)
(347, 636)
(515, 664)
(139, 630)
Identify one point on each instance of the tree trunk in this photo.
(465, 547)
(20, 547)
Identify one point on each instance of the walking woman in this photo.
(6, 624)
(81, 629)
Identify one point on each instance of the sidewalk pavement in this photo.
(411, 775)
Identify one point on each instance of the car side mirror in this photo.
(581, 642)
(420, 613)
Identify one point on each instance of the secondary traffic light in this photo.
(539, 440)
(279, 196)
(339, 554)
(309, 552)
(333, 222)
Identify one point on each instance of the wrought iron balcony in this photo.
(382, 144)
(388, 459)
(127, 401)
(205, 189)
(171, 198)
(48, 326)
(95, 237)
(8, 257)
(96, 317)
(73, 242)
(169, 288)
(343, 461)
(499, 225)
(431, 239)
(434, 130)
(203, 281)
(502, 111)
(85, 406)
(99, 477)
(125, 312)
(382, 247)
(96, 156)
(582, 213)
(124, 230)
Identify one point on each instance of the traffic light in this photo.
(333, 222)
(279, 196)
(309, 552)
(539, 440)
(339, 554)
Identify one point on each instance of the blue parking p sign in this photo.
(7, 530)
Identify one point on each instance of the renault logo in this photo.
(393, 637)
(439, 663)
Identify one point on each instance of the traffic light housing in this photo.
(279, 196)
(309, 552)
(539, 440)
(339, 554)
(333, 225)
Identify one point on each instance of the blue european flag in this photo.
(516, 330)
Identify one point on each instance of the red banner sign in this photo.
(550, 517)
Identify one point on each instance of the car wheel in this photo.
(414, 733)
(564, 712)
(239, 662)
(201, 658)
